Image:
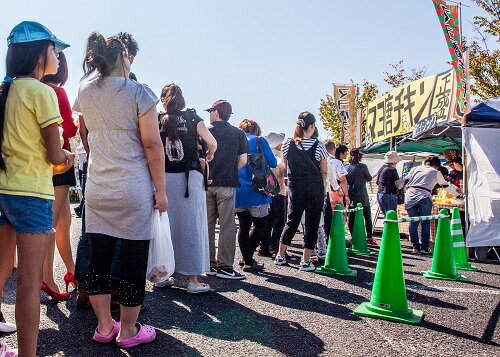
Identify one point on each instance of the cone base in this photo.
(412, 317)
(331, 271)
(432, 275)
(467, 267)
(360, 252)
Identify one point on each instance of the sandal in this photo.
(146, 334)
(106, 339)
(5, 351)
(193, 289)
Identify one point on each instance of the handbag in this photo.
(161, 262)
(263, 179)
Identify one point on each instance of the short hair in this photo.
(223, 115)
(61, 77)
(329, 145)
(443, 170)
(432, 161)
(340, 150)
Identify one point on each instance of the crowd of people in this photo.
(133, 161)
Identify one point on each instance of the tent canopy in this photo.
(436, 140)
(485, 112)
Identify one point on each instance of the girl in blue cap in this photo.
(29, 143)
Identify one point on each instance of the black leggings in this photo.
(367, 214)
(133, 265)
(247, 241)
(304, 197)
(275, 224)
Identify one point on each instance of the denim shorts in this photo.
(27, 214)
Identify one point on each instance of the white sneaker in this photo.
(165, 283)
(6, 327)
(279, 260)
(193, 289)
(307, 266)
(321, 255)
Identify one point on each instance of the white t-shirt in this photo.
(81, 156)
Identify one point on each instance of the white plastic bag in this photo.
(161, 262)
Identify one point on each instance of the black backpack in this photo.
(263, 179)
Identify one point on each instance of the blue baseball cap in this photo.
(30, 31)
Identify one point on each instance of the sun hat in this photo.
(392, 157)
(274, 139)
(30, 31)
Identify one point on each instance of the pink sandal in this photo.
(146, 334)
(5, 351)
(106, 339)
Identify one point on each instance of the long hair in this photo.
(22, 59)
(102, 55)
(173, 102)
(61, 77)
(355, 157)
(304, 121)
(250, 127)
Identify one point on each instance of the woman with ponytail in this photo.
(181, 131)
(125, 183)
(305, 158)
(29, 142)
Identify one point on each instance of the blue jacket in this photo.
(246, 195)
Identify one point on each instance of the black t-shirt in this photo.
(231, 143)
(386, 180)
(357, 177)
(182, 155)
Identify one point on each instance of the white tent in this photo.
(483, 183)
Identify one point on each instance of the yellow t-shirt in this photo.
(31, 106)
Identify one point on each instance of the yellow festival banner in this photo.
(415, 107)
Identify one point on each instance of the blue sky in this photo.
(271, 59)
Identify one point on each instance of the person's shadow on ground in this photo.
(212, 316)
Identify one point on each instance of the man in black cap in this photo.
(231, 155)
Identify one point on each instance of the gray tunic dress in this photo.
(119, 194)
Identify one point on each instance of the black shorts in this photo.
(66, 179)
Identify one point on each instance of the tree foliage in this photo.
(485, 63)
(369, 92)
(401, 75)
(330, 117)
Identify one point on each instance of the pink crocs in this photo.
(146, 334)
(6, 352)
(106, 339)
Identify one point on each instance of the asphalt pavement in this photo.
(283, 311)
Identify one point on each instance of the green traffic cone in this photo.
(443, 259)
(388, 300)
(358, 234)
(457, 237)
(336, 254)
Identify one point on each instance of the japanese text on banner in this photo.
(397, 112)
(450, 22)
(345, 101)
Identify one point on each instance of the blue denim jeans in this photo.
(27, 214)
(83, 257)
(422, 208)
(388, 202)
(83, 250)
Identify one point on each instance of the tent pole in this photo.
(464, 183)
